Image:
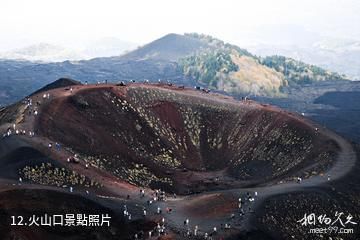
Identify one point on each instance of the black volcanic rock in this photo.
(61, 82)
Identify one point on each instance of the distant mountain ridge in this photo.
(342, 56)
(190, 59)
(49, 53)
(42, 52)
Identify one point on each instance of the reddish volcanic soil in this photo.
(191, 142)
(207, 148)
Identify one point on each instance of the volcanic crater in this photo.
(182, 140)
(71, 148)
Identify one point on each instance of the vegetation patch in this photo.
(47, 174)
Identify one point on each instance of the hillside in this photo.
(227, 67)
(298, 72)
(229, 70)
(338, 55)
(171, 47)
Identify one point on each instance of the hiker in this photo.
(8, 132)
(240, 202)
(205, 90)
(158, 210)
(74, 159)
(299, 180)
(20, 179)
(142, 193)
(195, 230)
(144, 212)
(241, 212)
(58, 146)
(71, 189)
(162, 196)
(316, 131)
(186, 222)
(158, 228)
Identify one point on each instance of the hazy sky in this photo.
(75, 22)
